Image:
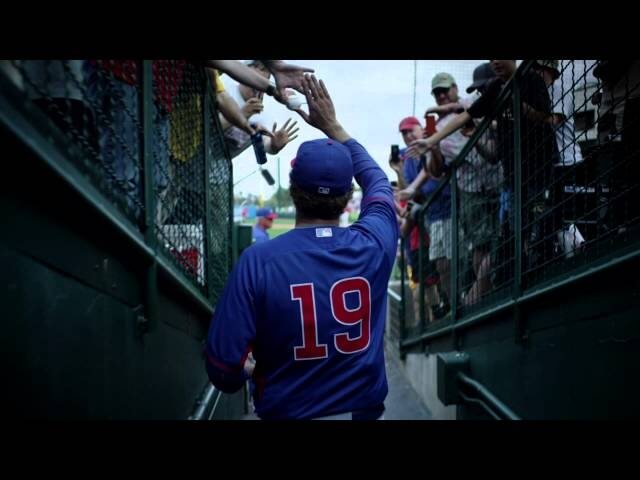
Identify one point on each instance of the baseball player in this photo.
(310, 304)
(265, 217)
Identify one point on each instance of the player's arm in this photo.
(322, 115)
(377, 208)
(232, 329)
(377, 193)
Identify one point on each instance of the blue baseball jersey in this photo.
(311, 305)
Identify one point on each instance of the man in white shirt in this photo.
(563, 110)
(478, 178)
(562, 114)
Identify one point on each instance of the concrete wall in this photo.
(421, 371)
(419, 368)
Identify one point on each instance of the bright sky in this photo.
(370, 97)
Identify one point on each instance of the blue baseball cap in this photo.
(267, 213)
(323, 167)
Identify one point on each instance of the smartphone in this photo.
(430, 128)
(395, 154)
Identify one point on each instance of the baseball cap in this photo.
(442, 80)
(267, 213)
(481, 75)
(552, 65)
(408, 123)
(323, 167)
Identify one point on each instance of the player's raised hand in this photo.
(322, 113)
(286, 76)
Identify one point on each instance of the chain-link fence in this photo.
(95, 110)
(542, 186)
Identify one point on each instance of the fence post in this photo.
(206, 224)
(517, 204)
(454, 244)
(151, 289)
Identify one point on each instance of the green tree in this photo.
(281, 198)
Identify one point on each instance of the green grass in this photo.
(280, 226)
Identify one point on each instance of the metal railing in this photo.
(541, 195)
(481, 396)
(206, 405)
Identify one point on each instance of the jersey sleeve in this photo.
(377, 208)
(233, 327)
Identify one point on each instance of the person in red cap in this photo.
(265, 216)
(410, 169)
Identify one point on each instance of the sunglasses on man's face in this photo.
(436, 92)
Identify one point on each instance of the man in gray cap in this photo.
(445, 92)
(479, 178)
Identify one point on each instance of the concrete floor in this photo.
(403, 402)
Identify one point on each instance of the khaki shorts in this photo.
(479, 218)
(440, 232)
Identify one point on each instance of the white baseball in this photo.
(295, 101)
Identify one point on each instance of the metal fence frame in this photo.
(62, 157)
(519, 294)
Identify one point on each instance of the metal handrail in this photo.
(492, 404)
(207, 402)
(394, 295)
(527, 296)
